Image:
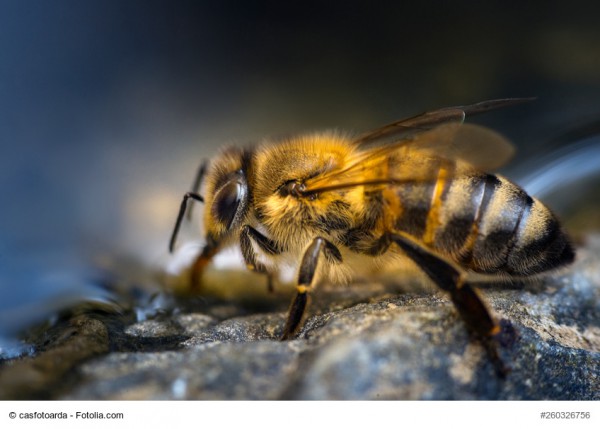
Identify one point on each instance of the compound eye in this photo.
(227, 202)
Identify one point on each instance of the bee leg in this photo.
(267, 245)
(308, 268)
(210, 249)
(380, 246)
(466, 299)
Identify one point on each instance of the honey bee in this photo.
(339, 206)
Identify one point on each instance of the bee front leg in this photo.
(267, 245)
(210, 249)
(466, 299)
(306, 277)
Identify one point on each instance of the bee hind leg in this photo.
(466, 299)
(306, 278)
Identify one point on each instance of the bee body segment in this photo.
(482, 221)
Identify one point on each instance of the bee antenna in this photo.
(197, 183)
(182, 208)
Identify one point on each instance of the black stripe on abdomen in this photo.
(415, 202)
(498, 227)
(461, 202)
(541, 244)
(469, 254)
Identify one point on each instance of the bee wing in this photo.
(426, 121)
(481, 147)
(439, 133)
(365, 168)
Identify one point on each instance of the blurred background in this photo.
(108, 107)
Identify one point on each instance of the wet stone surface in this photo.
(358, 343)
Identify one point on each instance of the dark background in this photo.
(107, 107)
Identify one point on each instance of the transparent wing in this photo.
(426, 121)
(479, 146)
(436, 134)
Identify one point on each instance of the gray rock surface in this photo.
(360, 342)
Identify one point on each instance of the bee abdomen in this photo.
(539, 243)
(490, 225)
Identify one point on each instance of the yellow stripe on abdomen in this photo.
(433, 217)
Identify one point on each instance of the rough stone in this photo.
(43, 375)
(360, 342)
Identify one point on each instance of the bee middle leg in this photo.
(306, 277)
(267, 245)
(466, 299)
